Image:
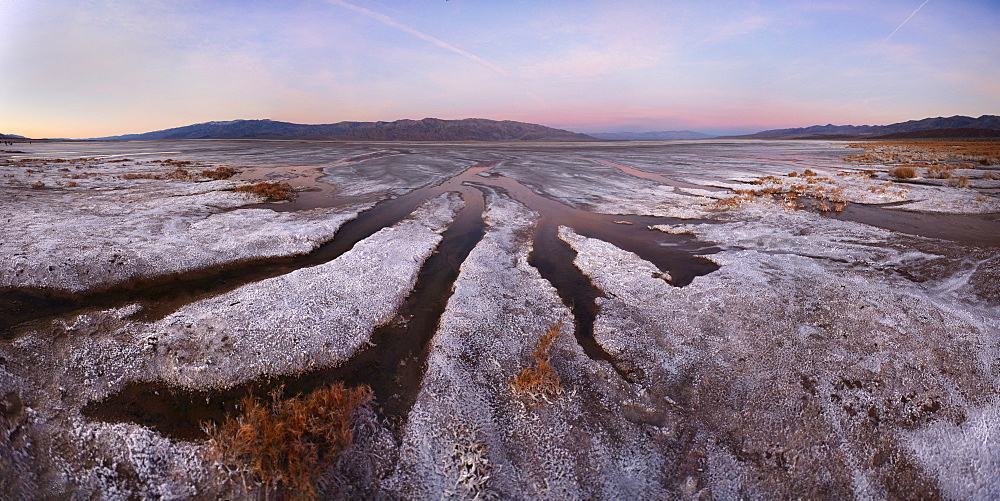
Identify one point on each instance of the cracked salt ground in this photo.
(823, 357)
(551, 450)
(802, 375)
(232, 347)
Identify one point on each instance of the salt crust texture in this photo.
(395, 175)
(589, 185)
(574, 447)
(804, 374)
(337, 305)
(310, 317)
(134, 233)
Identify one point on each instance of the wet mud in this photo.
(975, 229)
(392, 365)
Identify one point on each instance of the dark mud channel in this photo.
(394, 364)
(975, 229)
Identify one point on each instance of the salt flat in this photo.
(731, 319)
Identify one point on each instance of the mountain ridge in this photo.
(427, 129)
(990, 122)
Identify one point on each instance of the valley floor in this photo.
(704, 319)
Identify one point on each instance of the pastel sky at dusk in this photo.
(102, 67)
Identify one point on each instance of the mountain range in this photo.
(938, 127)
(480, 129)
(659, 135)
(428, 129)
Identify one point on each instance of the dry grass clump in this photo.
(219, 173)
(287, 444)
(903, 172)
(270, 191)
(175, 163)
(939, 172)
(179, 174)
(134, 175)
(183, 174)
(961, 182)
(538, 381)
(982, 152)
(991, 175)
(820, 193)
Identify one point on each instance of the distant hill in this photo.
(938, 124)
(650, 136)
(957, 133)
(11, 136)
(428, 129)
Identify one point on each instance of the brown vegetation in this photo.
(176, 163)
(817, 195)
(903, 172)
(939, 172)
(287, 444)
(219, 173)
(981, 152)
(538, 381)
(133, 175)
(961, 182)
(270, 191)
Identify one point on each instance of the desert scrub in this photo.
(270, 191)
(903, 172)
(219, 173)
(982, 152)
(939, 172)
(288, 444)
(822, 193)
(961, 182)
(538, 381)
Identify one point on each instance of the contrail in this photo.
(879, 46)
(384, 19)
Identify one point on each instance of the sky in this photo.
(91, 68)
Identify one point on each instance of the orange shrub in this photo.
(539, 381)
(961, 182)
(903, 173)
(270, 191)
(938, 172)
(219, 173)
(289, 443)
